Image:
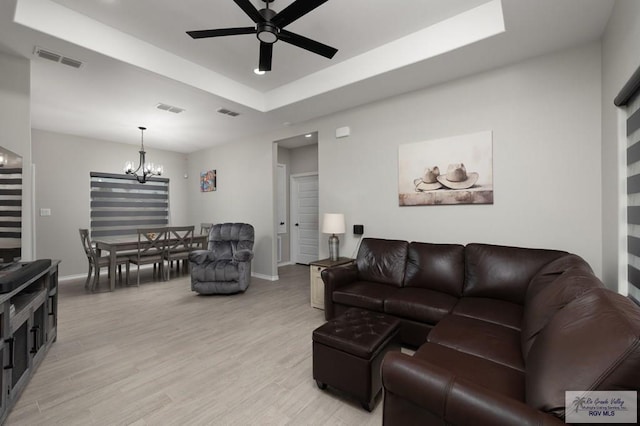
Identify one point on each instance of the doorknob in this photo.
(297, 224)
(281, 223)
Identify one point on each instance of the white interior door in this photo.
(304, 218)
(281, 199)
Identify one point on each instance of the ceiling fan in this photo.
(269, 29)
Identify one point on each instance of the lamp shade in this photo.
(333, 223)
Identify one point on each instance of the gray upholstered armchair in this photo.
(225, 267)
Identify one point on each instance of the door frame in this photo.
(293, 194)
(281, 229)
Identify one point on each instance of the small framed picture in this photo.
(208, 181)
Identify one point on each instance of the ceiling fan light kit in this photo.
(267, 32)
(269, 29)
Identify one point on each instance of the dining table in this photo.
(128, 243)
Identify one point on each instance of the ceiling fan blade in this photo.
(250, 10)
(294, 11)
(221, 32)
(307, 44)
(266, 51)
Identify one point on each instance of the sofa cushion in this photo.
(504, 380)
(495, 311)
(480, 338)
(501, 272)
(543, 301)
(227, 238)
(364, 294)
(593, 343)
(221, 270)
(437, 267)
(551, 271)
(382, 261)
(419, 304)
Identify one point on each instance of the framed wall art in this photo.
(453, 170)
(208, 181)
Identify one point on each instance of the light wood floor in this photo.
(162, 355)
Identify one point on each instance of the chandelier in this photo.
(144, 170)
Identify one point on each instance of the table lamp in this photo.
(333, 223)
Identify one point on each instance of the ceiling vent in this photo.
(56, 57)
(228, 112)
(170, 108)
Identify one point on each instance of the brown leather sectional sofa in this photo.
(501, 332)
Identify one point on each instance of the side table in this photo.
(317, 285)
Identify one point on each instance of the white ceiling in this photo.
(136, 54)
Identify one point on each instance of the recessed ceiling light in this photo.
(258, 72)
(308, 135)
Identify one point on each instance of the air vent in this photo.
(228, 112)
(56, 57)
(170, 108)
(71, 62)
(48, 55)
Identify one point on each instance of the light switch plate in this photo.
(45, 212)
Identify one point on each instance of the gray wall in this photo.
(63, 163)
(245, 192)
(619, 60)
(15, 132)
(545, 117)
(304, 159)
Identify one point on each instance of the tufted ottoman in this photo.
(348, 352)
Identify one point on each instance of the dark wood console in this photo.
(28, 319)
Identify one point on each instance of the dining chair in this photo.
(205, 228)
(97, 262)
(151, 249)
(179, 245)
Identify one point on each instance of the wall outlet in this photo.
(45, 212)
(358, 229)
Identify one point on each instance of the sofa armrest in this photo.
(200, 257)
(243, 255)
(453, 399)
(333, 279)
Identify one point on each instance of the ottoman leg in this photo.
(321, 385)
(369, 406)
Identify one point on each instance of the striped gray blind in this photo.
(10, 214)
(120, 205)
(633, 196)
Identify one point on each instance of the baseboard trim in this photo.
(265, 277)
(71, 277)
(103, 273)
(287, 263)
(78, 276)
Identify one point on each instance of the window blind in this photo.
(10, 214)
(629, 99)
(120, 204)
